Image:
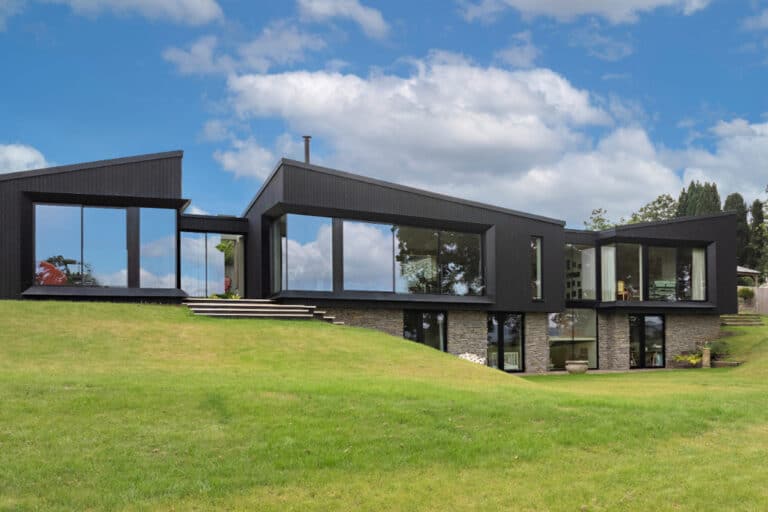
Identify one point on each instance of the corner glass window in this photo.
(629, 272)
(676, 274)
(427, 327)
(572, 336)
(536, 292)
(580, 272)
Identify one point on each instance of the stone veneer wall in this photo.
(613, 341)
(466, 329)
(389, 321)
(685, 333)
(536, 343)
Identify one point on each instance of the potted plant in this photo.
(575, 367)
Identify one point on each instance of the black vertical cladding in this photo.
(133, 219)
(156, 176)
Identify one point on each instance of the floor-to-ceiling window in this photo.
(580, 272)
(646, 341)
(505, 342)
(302, 253)
(427, 327)
(80, 246)
(572, 336)
(676, 273)
(158, 248)
(212, 264)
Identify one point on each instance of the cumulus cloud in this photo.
(20, 157)
(370, 20)
(736, 162)
(522, 53)
(277, 44)
(309, 263)
(246, 158)
(757, 22)
(9, 8)
(615, 11)
(188, 12)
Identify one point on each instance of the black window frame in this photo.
(420, 325)
(499, 316)
(642, 317)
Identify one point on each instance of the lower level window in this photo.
(646, 341)
(505, 342)
(572, 336)
(427, 327)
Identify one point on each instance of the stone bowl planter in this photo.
(576, 367)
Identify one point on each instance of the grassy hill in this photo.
(133, 407)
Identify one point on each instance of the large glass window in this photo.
(460, 260)
(536, 292)
(308, 253)
(676, 273)
(629, 272)
(427, 327)
(58, 253)
(368, 256)
(505, 341)
(158, 248)
(80, 246)
(212, 264)
(646, 341)
(572, 336)
(580, 269)
(416, 260)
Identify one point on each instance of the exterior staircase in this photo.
(742, 319)
(256, 308)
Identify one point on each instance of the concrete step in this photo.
(237, 311)
(237, 301)
(248, 305)
(282, 316)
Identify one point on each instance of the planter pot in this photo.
(576, 367)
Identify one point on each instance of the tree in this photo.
(599, 221)
(735, 203)
(663, 207)
(699, 199)
(757, 254)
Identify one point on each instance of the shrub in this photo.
(746, 293)
(691, 359)
(745, 281)
(719, 349)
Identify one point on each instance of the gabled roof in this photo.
(89, 165)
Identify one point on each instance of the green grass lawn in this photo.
(130, 407)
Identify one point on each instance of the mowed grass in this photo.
(136, 407)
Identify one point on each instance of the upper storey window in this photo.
(622, 272)
(536, 288)
(580, 268)
(676, 273)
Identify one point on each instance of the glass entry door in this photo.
(505, 342)
(646, 341)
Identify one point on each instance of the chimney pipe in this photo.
(307, 138)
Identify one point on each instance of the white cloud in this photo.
(370, 20)
(737, 162)
(188, 12)
(309, 263)
(757, 22)
(368, 257)
(20, 157)
(215, 130)
(615, 11)
(200, 58)
(600, 45)
(194, 210)
(522, 53)
(278, 44)
(246, 158)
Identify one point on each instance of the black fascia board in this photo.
(34, 173)
(108, 200)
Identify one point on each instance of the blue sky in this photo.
(550, 106)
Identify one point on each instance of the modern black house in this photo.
(516, 290)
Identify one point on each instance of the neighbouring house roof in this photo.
(744, 271)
